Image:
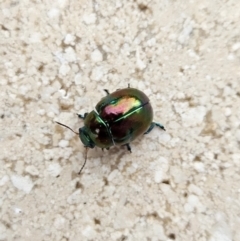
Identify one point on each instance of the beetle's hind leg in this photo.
(153, 124)
(128, 147)
(82, 116)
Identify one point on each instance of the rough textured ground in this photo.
(56, 57)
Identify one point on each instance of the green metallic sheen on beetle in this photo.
(118, 119)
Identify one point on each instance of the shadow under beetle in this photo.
(118, 119)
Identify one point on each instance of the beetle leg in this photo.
(153, 124)
(107, 92)
(159, 125)
(128, 147)
(107, 148)
(82, 116)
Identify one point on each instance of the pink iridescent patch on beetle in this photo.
(122, 106)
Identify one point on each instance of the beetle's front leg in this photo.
(128, 147)
(82, 116)
(107, 148)
(107, 92)
(153, 124)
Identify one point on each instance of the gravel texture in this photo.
(56, 57)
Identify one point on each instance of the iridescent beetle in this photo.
(117, 119)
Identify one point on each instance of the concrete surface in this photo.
(56, 57)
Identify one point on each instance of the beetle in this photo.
(118, 119)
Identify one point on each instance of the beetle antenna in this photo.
(84, 161)
(86, 146)
(67, 127)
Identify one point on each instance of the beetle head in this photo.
(85, 138)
